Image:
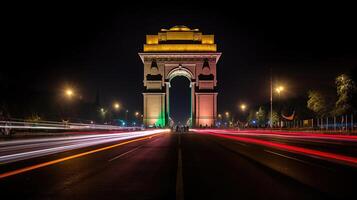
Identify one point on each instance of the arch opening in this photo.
(180, 100)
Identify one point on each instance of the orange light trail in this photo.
(29, 168)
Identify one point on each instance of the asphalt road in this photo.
(179, 166)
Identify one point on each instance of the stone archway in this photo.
(180, 51)
(180, 71)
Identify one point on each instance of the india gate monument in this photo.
(180, 51)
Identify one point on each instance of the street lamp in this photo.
(243, 107)
(116, 106)
(69, 93)
(126, 115)
(227, 116)
(278, 89)
(103, 113)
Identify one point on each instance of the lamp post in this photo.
(115, 111)
(137, 115)
(279, 90)
(227, 114)
(103, 113)
(243, 107)
(69, 109)
(126, 116)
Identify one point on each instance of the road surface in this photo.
(202, 164)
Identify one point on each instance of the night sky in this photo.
(94, 48)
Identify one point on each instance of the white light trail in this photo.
(60, 126)
(12, 151)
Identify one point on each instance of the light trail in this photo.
(53, 125)
(290, 148)
(17, 150)
(33, 167)
(281, 134)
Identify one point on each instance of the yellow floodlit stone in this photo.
(152, 39)
(207, 39)
(180, 47)
(180, 38)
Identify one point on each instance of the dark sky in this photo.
(94, 47)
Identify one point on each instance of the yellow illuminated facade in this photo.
(180, 51)
(180, 39)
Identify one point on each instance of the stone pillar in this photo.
(206, 108)
(167, 103)
(154, 109)
(193, 104)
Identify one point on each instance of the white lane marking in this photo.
(285, 156)
(123, 154)
(132, 150)
(242, 144)
(179, 177)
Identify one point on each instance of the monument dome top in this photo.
(180, 39)
(179, 28)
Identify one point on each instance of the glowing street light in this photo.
(227, 114)
(279, 89)
(69, 93)
(116, 106)
(243, 107)
(137, 114)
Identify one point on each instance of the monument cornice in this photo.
(180, 55)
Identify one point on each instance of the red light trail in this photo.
(295, 149)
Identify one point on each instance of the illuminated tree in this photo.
(317, 103)
(261, 116)
(354, 93)
(275, 117)
(345, 89)
(33, 118)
